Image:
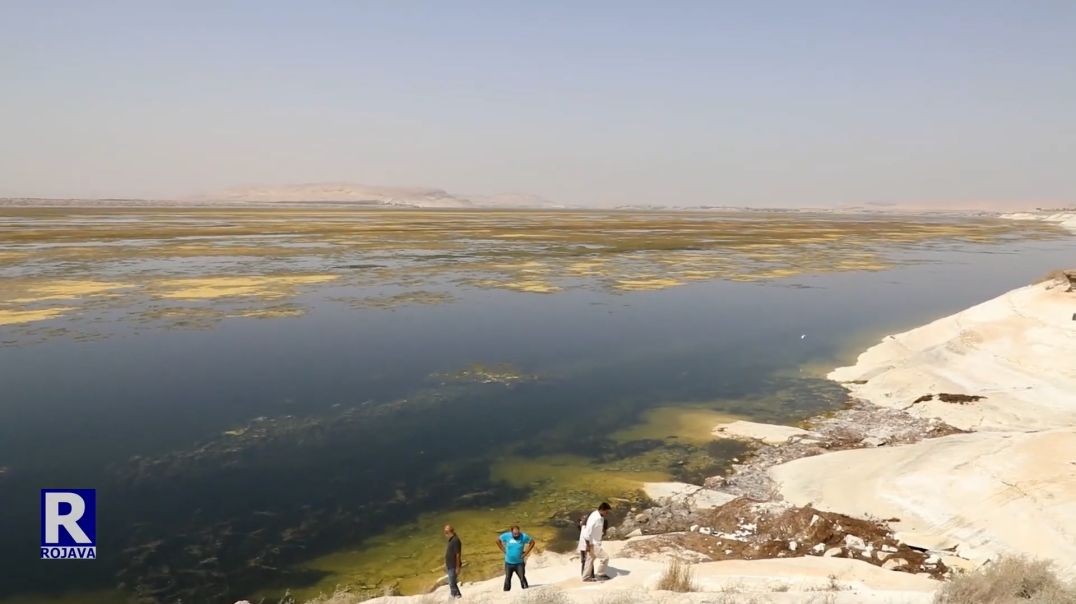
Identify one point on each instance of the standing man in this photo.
(516, 546)
(583, 544)
(453, 560)
(596, 556)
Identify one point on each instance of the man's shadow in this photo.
(614, 572)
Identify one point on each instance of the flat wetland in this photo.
(295, 398)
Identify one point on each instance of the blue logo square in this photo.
(69, 518)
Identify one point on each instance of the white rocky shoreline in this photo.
(958, 448)
(958, 428)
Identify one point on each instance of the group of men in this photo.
(517, 547)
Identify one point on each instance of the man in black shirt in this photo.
(453, 560)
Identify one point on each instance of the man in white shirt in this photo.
(582, 543)
(594, 569)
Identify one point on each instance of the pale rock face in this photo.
(1065, 219)
(1017, 350)
(1008, 486)
(992, 493)
(691, 496)
(768, 433)
(779, 580)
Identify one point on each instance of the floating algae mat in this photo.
(115, 259)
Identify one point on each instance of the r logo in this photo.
(68, 523)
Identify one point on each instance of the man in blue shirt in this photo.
(516, 546)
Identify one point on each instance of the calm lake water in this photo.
(301, 452)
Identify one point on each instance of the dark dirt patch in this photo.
(750, 530)
(960, 399)
(945, 397)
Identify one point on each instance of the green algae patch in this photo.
(481, 373)
(281, 311)
(262, 286)
(530, 286)
(420, 297)
(646, 283)
(410, 558)
(557, 489)
(27, 300)
(15, 317)
(688, 424)
(575, 475)
(179, 317)
(207, 254)
(60, 289)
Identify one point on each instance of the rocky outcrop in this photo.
(770, 434)
(1004, 370)
(752, 530)
(1017, 352)
(958, 494)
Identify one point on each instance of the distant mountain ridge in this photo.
(342, 192)
(417, 197)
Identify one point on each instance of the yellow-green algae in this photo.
(421, 297)
(411, 556)
(261, 286)
(15, 317)
(687, 423)
(60, 289)
(195, 254)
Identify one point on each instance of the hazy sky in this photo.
(765, 103)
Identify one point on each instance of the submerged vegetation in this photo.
(481, 373)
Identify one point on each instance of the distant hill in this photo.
(418, 197)
(342, 192)
(351, 194)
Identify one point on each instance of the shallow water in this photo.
(327, 443)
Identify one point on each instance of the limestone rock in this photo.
(936, 487)
(768, 433)
(894, 563)
(691, 496)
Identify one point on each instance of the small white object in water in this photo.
(803, 336)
